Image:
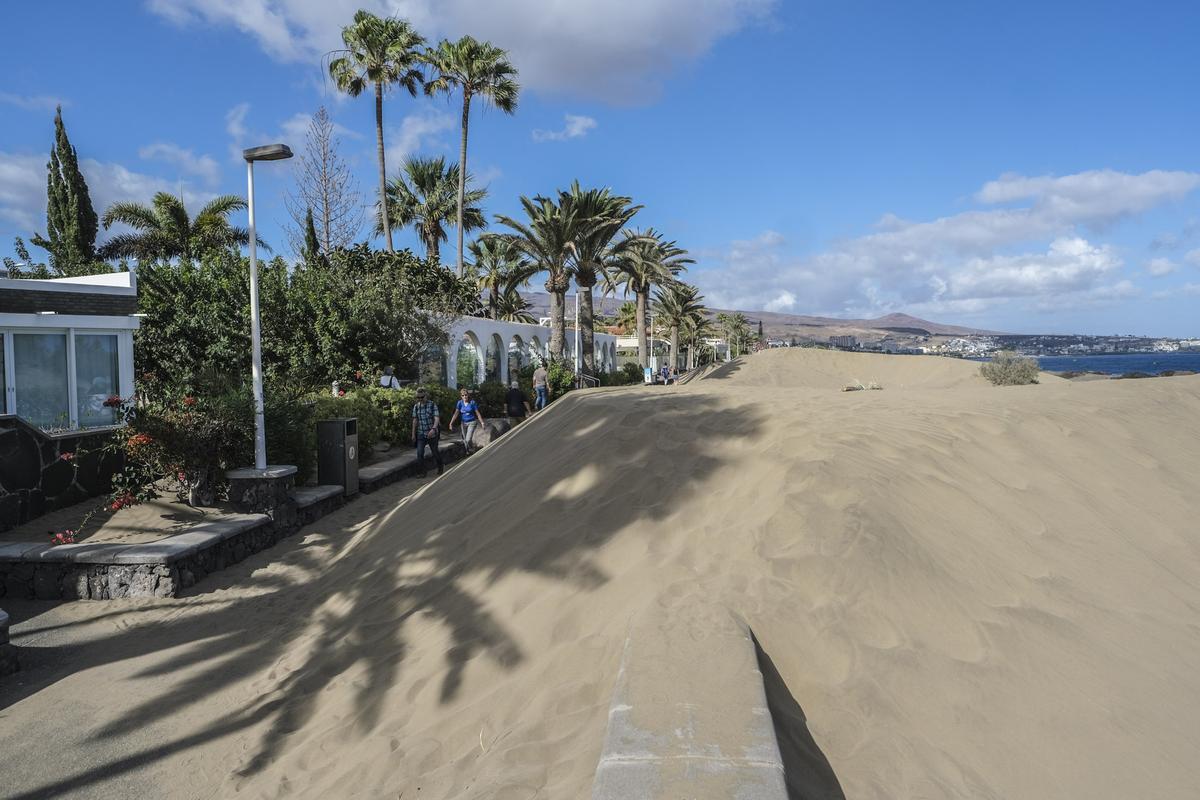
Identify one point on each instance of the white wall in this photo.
(534, 339)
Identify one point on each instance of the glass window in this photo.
(3, 380)
(40, 378)
(96, 378)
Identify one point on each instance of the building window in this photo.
(96, 379)
(40, 375)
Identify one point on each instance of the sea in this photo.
(1121, 363)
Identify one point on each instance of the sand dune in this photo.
(962, 590)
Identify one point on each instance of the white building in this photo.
(66, 345)
(495, 351)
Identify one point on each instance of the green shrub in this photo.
(357, 403)
(632, 373)
(1009, 369)
(491, 396)
(561, 378)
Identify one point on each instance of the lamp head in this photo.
(267, 152)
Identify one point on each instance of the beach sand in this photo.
(960, 591)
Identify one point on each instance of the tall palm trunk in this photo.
(462, 176)
(587, 336)
(557, 320)
(387, 225)
(674, 347)
(643, 344)
(495, 301)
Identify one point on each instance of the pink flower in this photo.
(67, 456)
(140, 439)
(189, 401)
(113, 402)
(341, 392)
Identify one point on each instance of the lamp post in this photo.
(268, 152)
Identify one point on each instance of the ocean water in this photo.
(1150, 363)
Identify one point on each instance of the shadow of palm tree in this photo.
(296, 619)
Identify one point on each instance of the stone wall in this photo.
(34, 479)
(26, 301)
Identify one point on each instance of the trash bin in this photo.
(337, 453)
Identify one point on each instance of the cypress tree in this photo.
(312, 245)
(71, 222)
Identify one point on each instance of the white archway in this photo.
(468, 360)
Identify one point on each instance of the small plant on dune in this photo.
(1009, 369)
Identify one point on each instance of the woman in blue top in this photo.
(468, 410)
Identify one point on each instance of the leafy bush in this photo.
(358, 403)
(492, 399)
(561, 378)
(632, 373)
(1009, 369)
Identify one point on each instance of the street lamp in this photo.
(267, 152)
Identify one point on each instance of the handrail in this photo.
(585, 378)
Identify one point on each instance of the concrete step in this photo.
(689, 716)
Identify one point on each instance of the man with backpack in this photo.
(426, 427)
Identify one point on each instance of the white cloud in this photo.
(1033, 255)
(40, 102)
(1193, 257)
(23, 190)
(575, 126)
(1159, 267)
(187, 162)
(418, 130)
(784, 301)
(619, 52)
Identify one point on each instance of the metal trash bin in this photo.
(337, 453)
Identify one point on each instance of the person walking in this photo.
(467, 409)
(426, 430)
(388, 379)
(541, 387)
(517, 404)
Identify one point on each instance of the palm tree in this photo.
(511, 306)
(696, 327)
(479, 69)
(379, 52)
(164, 231)
(601, 215)
(647, 261)
(676, 302)
(548, 240)
(736, 329)
(627, 316)
(500, 266)
(422, 195)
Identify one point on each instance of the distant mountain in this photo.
(785, 326)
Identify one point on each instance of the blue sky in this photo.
(1024, 166)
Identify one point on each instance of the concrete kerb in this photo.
(678, 731)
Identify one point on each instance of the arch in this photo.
(468, 370)
(537, 351)
(493, 369)
(518, 356)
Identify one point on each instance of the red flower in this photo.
(113, 402)
(139, 440)
(341, 392)
(189, 401)
(67, 456)
(63, 537)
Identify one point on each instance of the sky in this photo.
(1025, 166)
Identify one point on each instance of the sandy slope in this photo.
(962, 590)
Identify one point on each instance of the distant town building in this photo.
(844, 342)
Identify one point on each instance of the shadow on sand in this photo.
(338, 596)
(807, 770)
